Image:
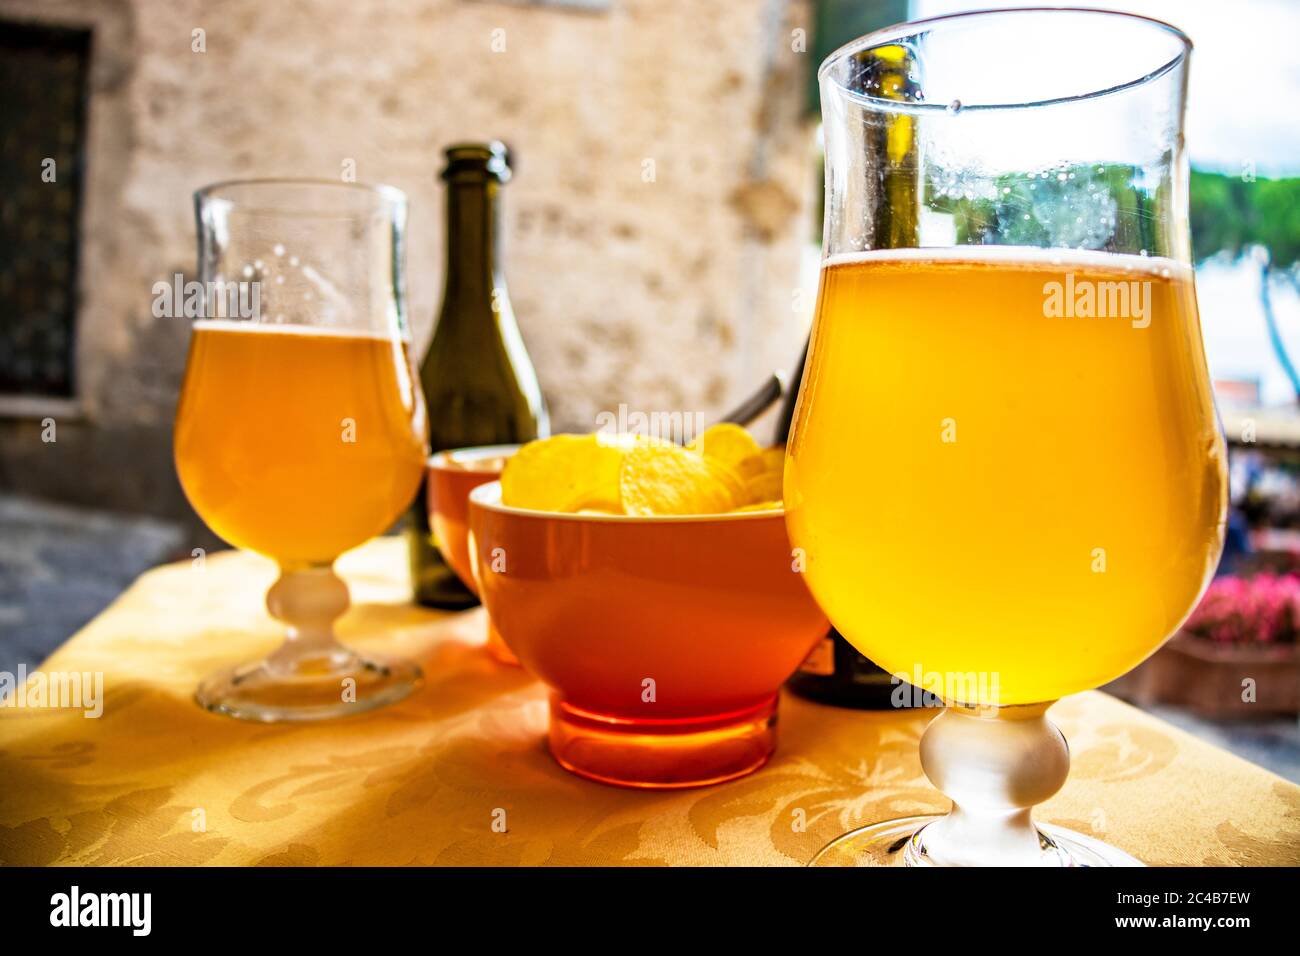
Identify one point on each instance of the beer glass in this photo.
(1006, 471)
(300, 431)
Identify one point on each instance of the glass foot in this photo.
(902, 843)
(662, 754)
(338, 686)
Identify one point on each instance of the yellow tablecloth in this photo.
(155, 780)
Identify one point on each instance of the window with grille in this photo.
(43, 92)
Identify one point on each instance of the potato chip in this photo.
(734, 482)
(773, 458)
(666, 479)
(764, 487)
(728, 445)
(565, 473)
(603, 474)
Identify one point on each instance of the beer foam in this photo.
(288, 328)
(1022, 257)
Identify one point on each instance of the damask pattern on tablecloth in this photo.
(158, 781)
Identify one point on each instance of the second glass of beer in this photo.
(301, 430)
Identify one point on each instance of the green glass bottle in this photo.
(478, 381)
(835, 672)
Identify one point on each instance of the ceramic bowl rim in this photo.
(441, 460)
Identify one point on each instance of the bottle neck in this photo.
(473, 239)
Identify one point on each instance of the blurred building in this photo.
(664, 193)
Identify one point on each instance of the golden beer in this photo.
(1002, 466)
(298, 442)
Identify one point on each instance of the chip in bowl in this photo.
(723, 470)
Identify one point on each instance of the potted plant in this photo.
(1236, 656)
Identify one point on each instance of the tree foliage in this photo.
(1112, 207)
(1231, 214)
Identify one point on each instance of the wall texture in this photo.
(673, 294)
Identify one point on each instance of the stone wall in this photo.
(674, 291)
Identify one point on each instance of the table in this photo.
(155, 780)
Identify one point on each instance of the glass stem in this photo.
(308, 600)
(995, 763)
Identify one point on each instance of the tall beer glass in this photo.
(1005, 472)
(300, 431)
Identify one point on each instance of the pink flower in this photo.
(1261, 609)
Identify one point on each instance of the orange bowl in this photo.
(664, 640)
(451, 476)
